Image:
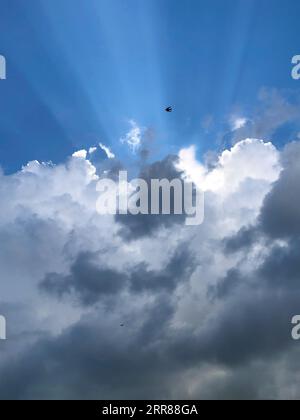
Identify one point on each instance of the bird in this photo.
(169, 109)
(121, 325)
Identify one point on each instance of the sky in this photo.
(79, 71)
(146, 307)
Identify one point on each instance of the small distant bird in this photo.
(169, 109)
(121, 325)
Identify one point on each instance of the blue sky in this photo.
(78, 71)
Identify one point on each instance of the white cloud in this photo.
(248, 159)
(92, 150)
(81, 154)
(107, 150)
(134, 137)
(237, 123)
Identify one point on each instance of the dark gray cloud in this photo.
(226, 286)
(244, 239)
(98, 359)
(137, 226)
(255, 325)
(91, 283)
(94, 359)
(177, 271)
(280, 217)
(281, 268)
(261, 302)
(88, 281)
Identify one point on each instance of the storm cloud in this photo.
(161, 311)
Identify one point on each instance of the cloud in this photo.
(250, 159)
(81, 154)
(2, 67)
(237, 123)
(206, 309)
(107, 150)
(92, 150)
(91, 283)
(88, 281)
(275, 116)
(133, 227)
(134, 137)
(280, 217)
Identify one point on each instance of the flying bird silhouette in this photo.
(169, 109)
